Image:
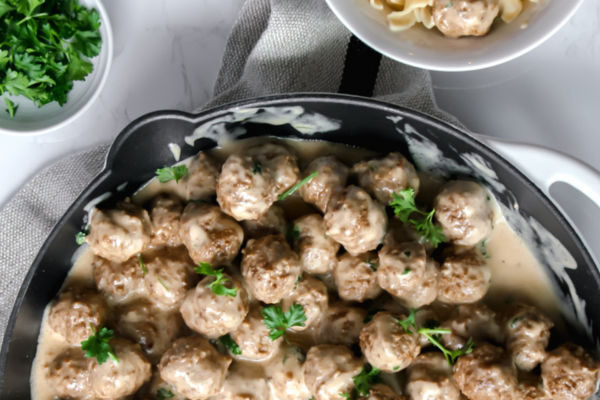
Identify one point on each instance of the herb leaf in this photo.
(404, 205)
(434, 336)
(257, 168)
(167, 174)
(278, 321)
(230, 344)
(163, 394)
(372, 265)
(292, 234)
(408, 322)
(80, 237)
(217, 285)
(297, 186)
(364, 380)
(144, 269)
(97, 345)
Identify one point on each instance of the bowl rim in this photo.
(108, 43)
(433, 66)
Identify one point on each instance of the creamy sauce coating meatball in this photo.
(201, 179)
(527, 335)
(244, 382)
(400, 233)
(342, 324)
(356, 277)
(355, 220)
(464, 17)
(194, 367)
(69, 375)
(464, 210)
(285, 375)
(252, 336)
(209, 235)
(279, 161)
(311, 294)
(430, 378)
(331, 178)
(464, 276)
(165, 212)
(386, 345)
(215, 315)
(317, 251)
(157, 388)
(270, 268)
(471, 321)
(112, 380)
(120, 233)
(75, 313)
(382, 176)
(119, 282)
(380, 391)
(272, 222)
(569, 373)
(328, 371)
(409, 274)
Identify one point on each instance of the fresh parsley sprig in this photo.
(434, 336)
(404, 205)
(80, 237)
(167, 174)
(408, 322)
(217, 285)
(97, 345)
(163, 394)
(297, 186)
(144, 269)
(257, 168)
(278, 322)
(364, 380)
(230, 344)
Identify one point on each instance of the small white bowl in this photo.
(430, 49)
(31, 120)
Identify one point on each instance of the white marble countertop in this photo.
(168, 53)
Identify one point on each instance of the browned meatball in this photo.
(112, 380)
(464, 277)
(356, 277)
(487, 374)
(380, 391)
(273, 222)
(464, 210)
(252, 335)
(152, 329)
(285, 375)
(194, 367)
(342, 324)
(527, 335)
(471, 320)
(464, 17)
(75, 312)
(244, 383)
(311, 294)
(382, 176)
(331, 178)
(280, 161)
(316, 250)
(209, 235)
(569, 373)
(215, 315)
(328, 371)
(270, 268)
(355, 220)
(430, 378)
(386, 345)
(158, 388)
(165, 213)
(120, 233)
(399, 233)
(201, 179)
(531, 387)
(409, 274)
(69, 376)
(119, 282)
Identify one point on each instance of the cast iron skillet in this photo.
(142, 148)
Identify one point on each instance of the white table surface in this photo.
(168, 53)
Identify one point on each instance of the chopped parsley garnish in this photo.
(483, 250)
(406, 271)
(404, 205)
(364, 380)
(217, 285)
(80, 237)
(396, 368)
(515, 322)
(434, 336)
(163, 394)
(297, 186)
(278, 322)
(257, 168)
(408, 322)
(144, 269)
(371, 314)
(230, 344)
(167, 174)
(97, 345)
(298, 279)
(344, 395)
(293, 233)
(372, 265)
(162, 283)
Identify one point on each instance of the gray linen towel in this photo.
(276, 46)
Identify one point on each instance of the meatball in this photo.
(165, 213)
(75, 313)
(170, 274)
(531, 387)
(120, 233)
(356, 277)
(486, 374)
(215, 315)
(316, 250)
(380, 391)
(430, 378)
(271, 223)
(471, 320)
(355, 220)
(252, 336)
(464, 277)
(270, 268)
(342, 325)
(286, 378)
(464, 210)
(280, 162)
(331, 178)
(112, 380)
(119, 282)
(209, 235)
(399, 233)
(569, 373)
(386, 345)
(69, 376)
(426, 317)
(152, 329)
(244, 383)
(194, 367)
(464, 17)
(328, 371)
(527, 335)
(408, 274)
(311, 294)
(381, 177)
(201, 179)
(157, 388)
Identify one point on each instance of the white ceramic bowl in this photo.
(430, 49)
(30, 120)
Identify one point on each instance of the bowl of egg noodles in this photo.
(453, 35)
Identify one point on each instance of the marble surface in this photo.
(168, 53)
